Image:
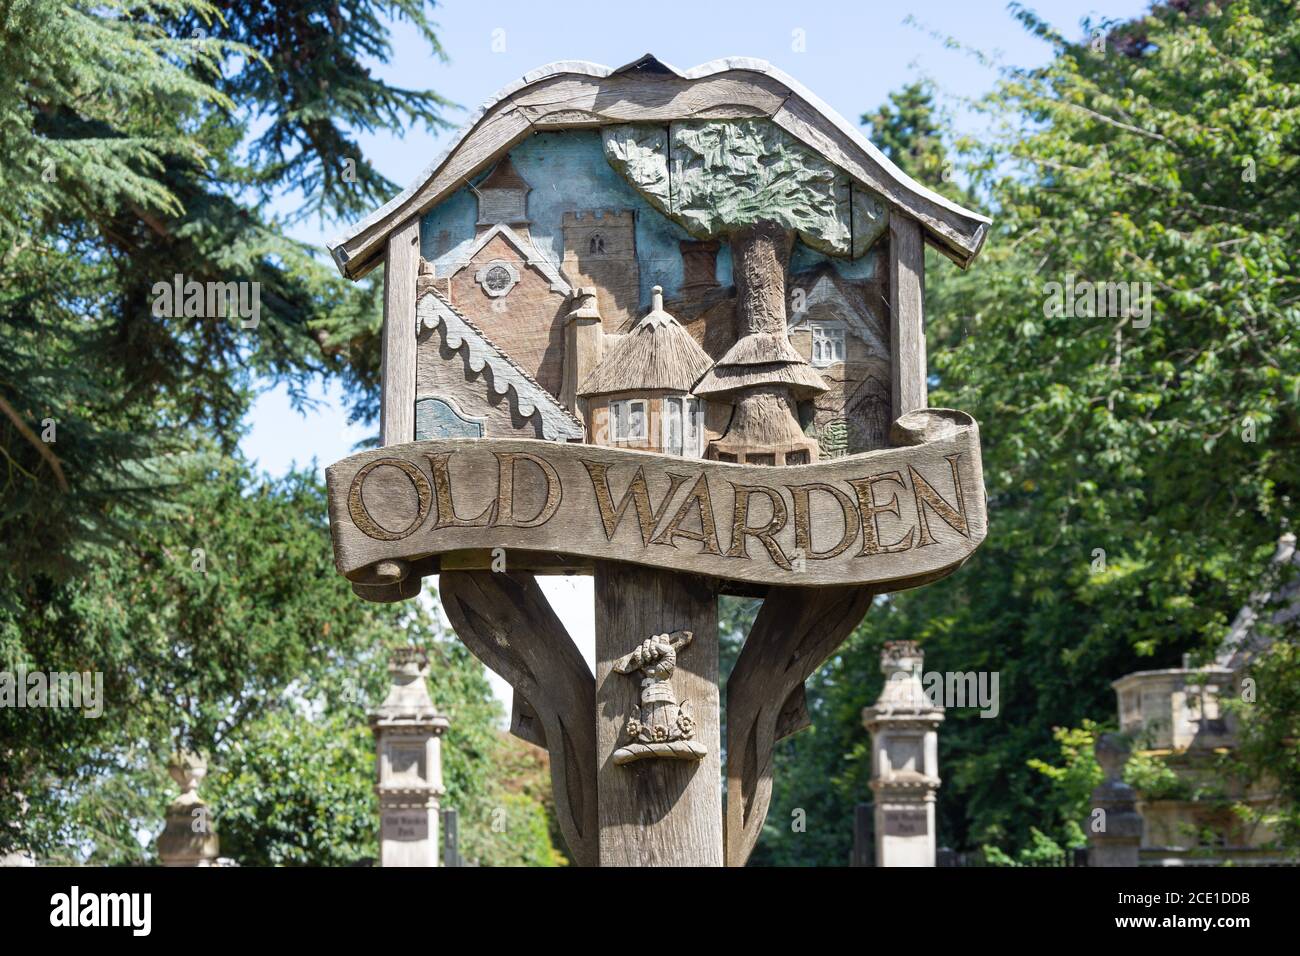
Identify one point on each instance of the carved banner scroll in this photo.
(890, 519)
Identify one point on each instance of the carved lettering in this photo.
(708, 533)
(926, 496)
(531, 499)
(447, 517)
(357, 506)
(740, 528)
(803, 519)
(506, 461)
(871, 512)
(637, 493)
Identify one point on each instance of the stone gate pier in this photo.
(904, 725)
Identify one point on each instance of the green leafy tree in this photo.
(145, 139)
(1138, 472)
(297, 787)
(132, 156)
(225, 628)
(909, 129)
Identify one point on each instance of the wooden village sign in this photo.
(664, 328)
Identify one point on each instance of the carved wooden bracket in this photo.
(796, 630)
(507, 622)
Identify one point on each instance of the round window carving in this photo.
(497, 278)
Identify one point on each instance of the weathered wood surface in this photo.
(577, 94)
(887, 518)
(524, 318)
(796, 630)
(506, 621)
(906, 315)
(583, 344)
(397, 357)
(657, 812)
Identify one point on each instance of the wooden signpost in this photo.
(664, 328)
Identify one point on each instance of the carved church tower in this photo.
(600, 251)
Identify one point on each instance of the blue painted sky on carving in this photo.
(567, 171)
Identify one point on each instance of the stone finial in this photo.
(407, 729)
(188, 770)
(904, 725)
(188, 838)
(900, 655)
(901, 661)
(408, 693)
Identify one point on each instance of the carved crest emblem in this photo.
(660, 726)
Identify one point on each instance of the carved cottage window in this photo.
(827, 343)
(683, 430)
(628, 419)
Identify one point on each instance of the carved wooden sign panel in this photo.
(889, 518)
(663, 327)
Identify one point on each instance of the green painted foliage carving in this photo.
(727, 174)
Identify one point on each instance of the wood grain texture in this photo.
(397, 360)
(907, 315)
(527, 324)
(855, 412)
(583, 345)
(719, 165)
(657, 812)
(796, 630)
(469, 350)
(506, 621)
(657, 354)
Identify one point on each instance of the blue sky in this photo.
(851, 54)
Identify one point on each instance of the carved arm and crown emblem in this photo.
(660, 726)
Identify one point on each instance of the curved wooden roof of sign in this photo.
(574, 94)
